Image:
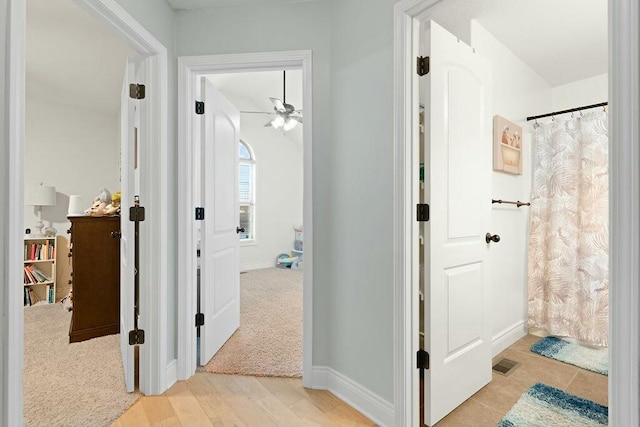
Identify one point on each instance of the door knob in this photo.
(116, 234)
(492, 238)
(239, 230)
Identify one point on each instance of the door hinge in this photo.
(136, 91)
(199, 319)
(422, 212)
(423, 65)
(136, 213)
(199, 107)
(199, 214)
(136, 337)
(423, 359)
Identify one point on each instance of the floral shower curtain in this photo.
(569, 236)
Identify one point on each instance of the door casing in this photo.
(190, 70)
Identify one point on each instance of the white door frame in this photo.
(191, 68)
(624, 119)
(154, 189)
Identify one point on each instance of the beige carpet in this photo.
(269, 341)
(80, 384)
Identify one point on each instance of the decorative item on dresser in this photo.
(95, 254)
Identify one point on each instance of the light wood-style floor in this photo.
(228, 400)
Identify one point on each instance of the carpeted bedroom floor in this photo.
(80, 384)
(269, 340)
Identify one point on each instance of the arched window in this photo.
(247, 191)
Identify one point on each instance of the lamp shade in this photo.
(75, 206)
(41, 195)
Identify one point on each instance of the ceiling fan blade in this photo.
(268, 125)
(279, 106)
(296, 118)
(256, 112)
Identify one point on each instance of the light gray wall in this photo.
(159, 19)
(279, 27)
(352, 96)
(360, 207)
(4, 202)
(353, 166)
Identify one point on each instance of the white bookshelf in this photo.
(39, 254)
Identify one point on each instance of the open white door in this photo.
(129, 131)
(458, 151)
(220, 248)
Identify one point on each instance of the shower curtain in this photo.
(568, 275)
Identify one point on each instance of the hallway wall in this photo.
(272, 28)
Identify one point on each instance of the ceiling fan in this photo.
(286, 115)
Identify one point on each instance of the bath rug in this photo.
(544, 406)
(592, 359)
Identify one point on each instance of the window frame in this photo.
(251, 161)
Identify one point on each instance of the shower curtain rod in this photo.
(572, 110)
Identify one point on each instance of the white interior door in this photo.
(220, 246)
(129, 182)
(458, 147)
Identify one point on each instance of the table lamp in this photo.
(40, 196)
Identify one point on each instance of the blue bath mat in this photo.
(592, 359)
(544, 406)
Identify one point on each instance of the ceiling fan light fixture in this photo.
(278, 122)
(289, 124)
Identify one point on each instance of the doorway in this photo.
(72, 152)
(153, 190)
(268, 341)
(192, 70)
(407, 113)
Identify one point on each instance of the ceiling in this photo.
(199, 4)
(71, 59)
(251, 92)
(563, 41)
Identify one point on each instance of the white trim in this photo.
(257, 265)
(172, 372)
(189, 69)
(503, 339)
(374, 407)
(624, 297)
(154, 188)
(15, 115)
(624, 211)
(405, 305)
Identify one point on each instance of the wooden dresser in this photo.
(95, 254)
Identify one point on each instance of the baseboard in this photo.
(171, 373)
(508, 336)
(257, 265)
(367, 402)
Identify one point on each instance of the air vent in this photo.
(505, 366)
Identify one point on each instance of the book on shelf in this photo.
(30, 297)
(39, 251)
(33, 275)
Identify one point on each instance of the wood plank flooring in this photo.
(228, 400)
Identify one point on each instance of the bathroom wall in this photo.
(518, 92)
(593, 90)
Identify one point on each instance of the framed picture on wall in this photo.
(507, 146)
